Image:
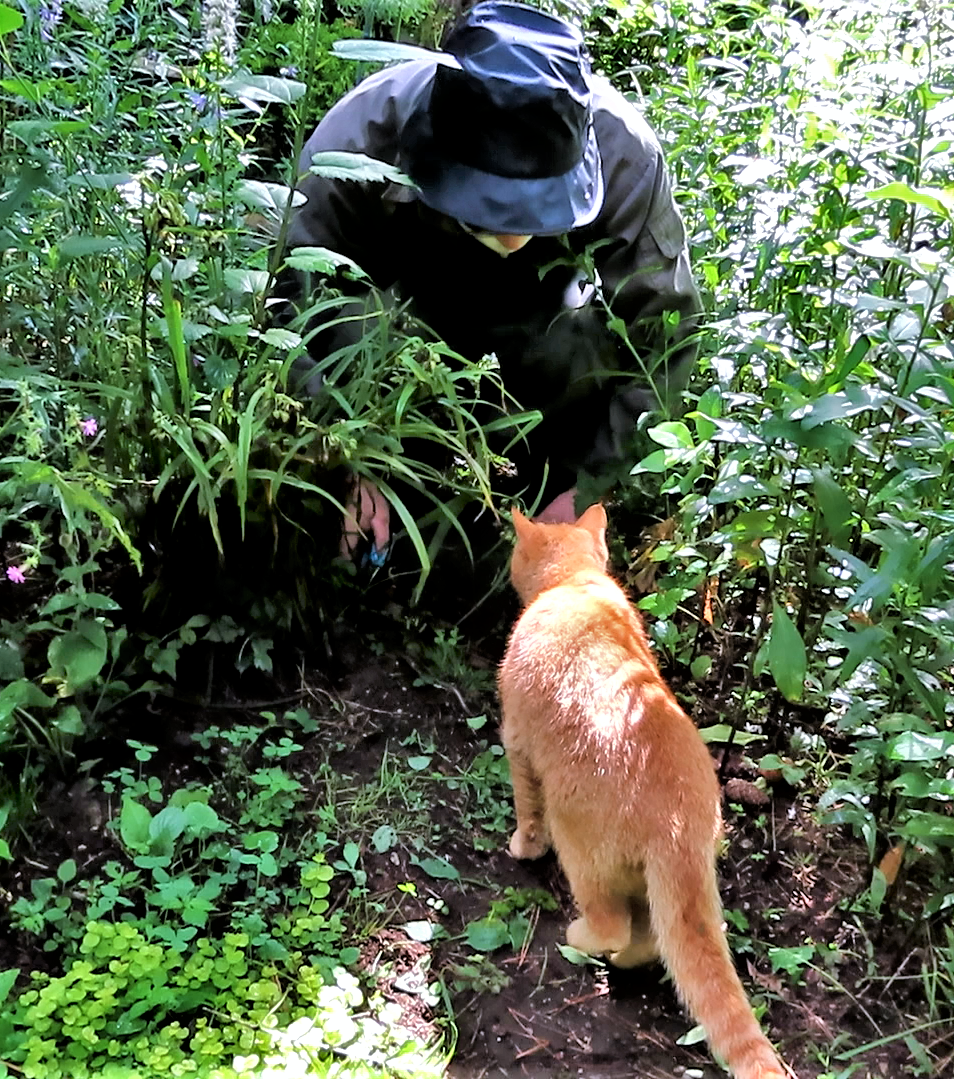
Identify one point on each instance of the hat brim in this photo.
(543, 206)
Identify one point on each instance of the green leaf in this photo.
(938, 199)
(20, 87)
(911, 746)
(423, 932)
(242, 280)
(72, 247)
(201, 820)
(791, 960)
(692, 1037)
(835, 508)
(439, 869)
(134, 821)
(341, 165)
(165, 828)
(10, 20)
(700, 666)
(673, 435)
(487, 935)
(267, 88)
(418, 764)
(384, 838)
(925, 825)
(733, 488)
(80, 654)
(7, 977)
(67, 871)
(272, 198)
(320, 260)
(720, 733)
(787, 658)
(578, 958)
(382, 52)
(30, 130)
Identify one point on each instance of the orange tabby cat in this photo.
(608, 769)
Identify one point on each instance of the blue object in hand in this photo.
(375, 556)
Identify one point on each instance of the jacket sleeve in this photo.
(646, 281)
(346, 216)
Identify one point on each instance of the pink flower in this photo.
(15, 574)
(89, 427)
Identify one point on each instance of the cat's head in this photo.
(547, 554)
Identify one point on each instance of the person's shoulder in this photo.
(619, 122)
(400, 83)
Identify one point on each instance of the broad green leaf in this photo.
(720, 733)
(201, 820)
(734, 488)
(384, 838)
(791, 960)
(102, 181)
(692, 1037)
(578, 958)
(22, 694)
(20, 87)
(165, 828)
(242, 280)
(385, 52)
(418, 764)
(80, 653)
(272, 198)
(7, 977)
(320, 260)
(423, 932)
(487, 935)
(938, 199)
(73, 247)
(849, 402)
(67, 871)
(70, 721)
(834, 505)
(286, 340)
(341, 165)
(10, 20)
(134, 821)
(30, 130)
(11, 663)
(267, 88)
(912, 746)
(439, 869)
(673, 435)
(787, 659)
(926, 825)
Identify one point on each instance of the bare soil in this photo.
(529, 1011)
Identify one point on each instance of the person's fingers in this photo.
(351, 524)
(366, 511)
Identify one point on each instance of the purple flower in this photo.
(15, 574)
(89, 427)
(51, 11)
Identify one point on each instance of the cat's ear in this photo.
(521, 524)
(593, 519)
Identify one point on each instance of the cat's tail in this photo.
(686, 918)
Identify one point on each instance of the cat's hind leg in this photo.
(643, 947)
(532, 838)
(605, 923)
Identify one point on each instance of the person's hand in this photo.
(366, 513)
(561, 510)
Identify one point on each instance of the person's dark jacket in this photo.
(555, 350)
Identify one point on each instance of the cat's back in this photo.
(584, 627)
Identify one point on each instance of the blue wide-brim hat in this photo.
(502, 138)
